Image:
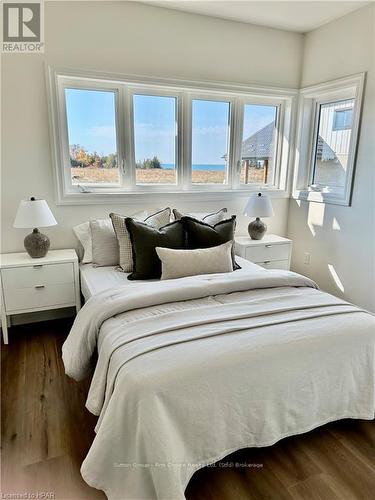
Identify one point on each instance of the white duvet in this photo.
(192, 369)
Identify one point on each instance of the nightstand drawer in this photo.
(262, 253)
(38, 274)
(275, 264)
(39, 296)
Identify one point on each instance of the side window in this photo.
(327, 140)
(332, 143)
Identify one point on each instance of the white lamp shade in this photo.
(34, 213)
(259, 205)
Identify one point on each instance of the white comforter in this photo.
(192, 369)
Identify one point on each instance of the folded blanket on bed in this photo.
(192, 369)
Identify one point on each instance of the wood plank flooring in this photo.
(46, 433)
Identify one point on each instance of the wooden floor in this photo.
(46, 433)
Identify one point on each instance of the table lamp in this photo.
(258, 205)
(30, 214)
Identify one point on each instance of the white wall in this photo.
(124, 38)
(337, 236)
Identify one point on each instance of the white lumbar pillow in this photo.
(181, 263)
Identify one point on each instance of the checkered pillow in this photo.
(158, 220)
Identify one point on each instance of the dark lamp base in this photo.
(36, 244)
(257, 229)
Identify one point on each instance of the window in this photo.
(258, 151)
(91, 122)
(332, 144)
(116, 138)
(155, 132)
(327, 140)
(210, 141)
(342, 118)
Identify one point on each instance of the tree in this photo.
(149, 163)
(109, 161)
(94, 160)
(80, 157)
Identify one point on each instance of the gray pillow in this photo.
(208, 218)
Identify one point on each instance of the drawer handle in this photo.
(38, 266)
(268, 246)
(38, 287)
(266, 262)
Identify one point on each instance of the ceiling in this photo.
(300, 16)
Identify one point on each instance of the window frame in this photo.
(131, 164)
(278, 145)
(64, 135)
(318, 104)
(125, 87)
(311, 100)
(202, 96)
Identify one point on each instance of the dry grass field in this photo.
(155, 176)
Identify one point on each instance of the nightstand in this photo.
(31, 285)
(271, 252)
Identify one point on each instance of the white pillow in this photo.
(105, 247)
(105, 235)
(83, 234)
(104, 243)
(209, 218)
(180, 263)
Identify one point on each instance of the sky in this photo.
(91, 123)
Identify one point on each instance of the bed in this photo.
(191, 369)
(97, 279)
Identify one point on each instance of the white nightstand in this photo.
(271, 252)
(30, 285)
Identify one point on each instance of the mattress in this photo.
(97, 279)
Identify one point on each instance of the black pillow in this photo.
(144, 240)
(202, 235)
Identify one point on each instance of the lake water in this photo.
(197, 166)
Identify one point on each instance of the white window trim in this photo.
(237, 95)
(307, 128)
(139, 188)
(189, 98)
